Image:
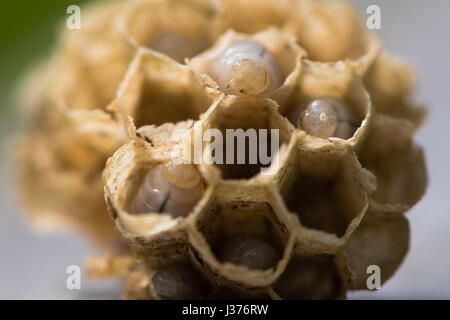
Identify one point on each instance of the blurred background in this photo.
(33, 266)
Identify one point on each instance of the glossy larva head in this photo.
(249, 250)
(328, 117)
(179, 282)
(247, 68)
(169, 188)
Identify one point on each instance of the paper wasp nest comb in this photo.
(156, 85)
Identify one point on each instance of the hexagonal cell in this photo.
(178, 281)
(151, 198)
(398, 164)
(158, 90)
(327, 189)
(178, 28)
(331, 30)
(153, 187)
(246, 135)
(250, 16)
(310, 278)
(265, 64)
(88, 72)
(330, 102)
(381, 240)
(390, 82)
(243, 244)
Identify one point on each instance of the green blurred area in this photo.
(28, 30)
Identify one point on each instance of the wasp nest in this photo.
(142, 83)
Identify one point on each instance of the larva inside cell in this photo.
(169, 188)
(249, 250)
(179, 281)
(328, 117)
(247, 68)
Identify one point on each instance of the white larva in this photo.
(328, 117)
(169, 188)
(249, 250)
(179, 281)
(247, 68)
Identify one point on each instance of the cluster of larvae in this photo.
(120, 114)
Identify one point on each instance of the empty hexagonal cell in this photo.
(265, 64)
(327, 189)
(398, 163)
(242, 137)
(178, 28)
(310, 278)
(330, 103)
(158, 90)
(381, 241)
(242, 243)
